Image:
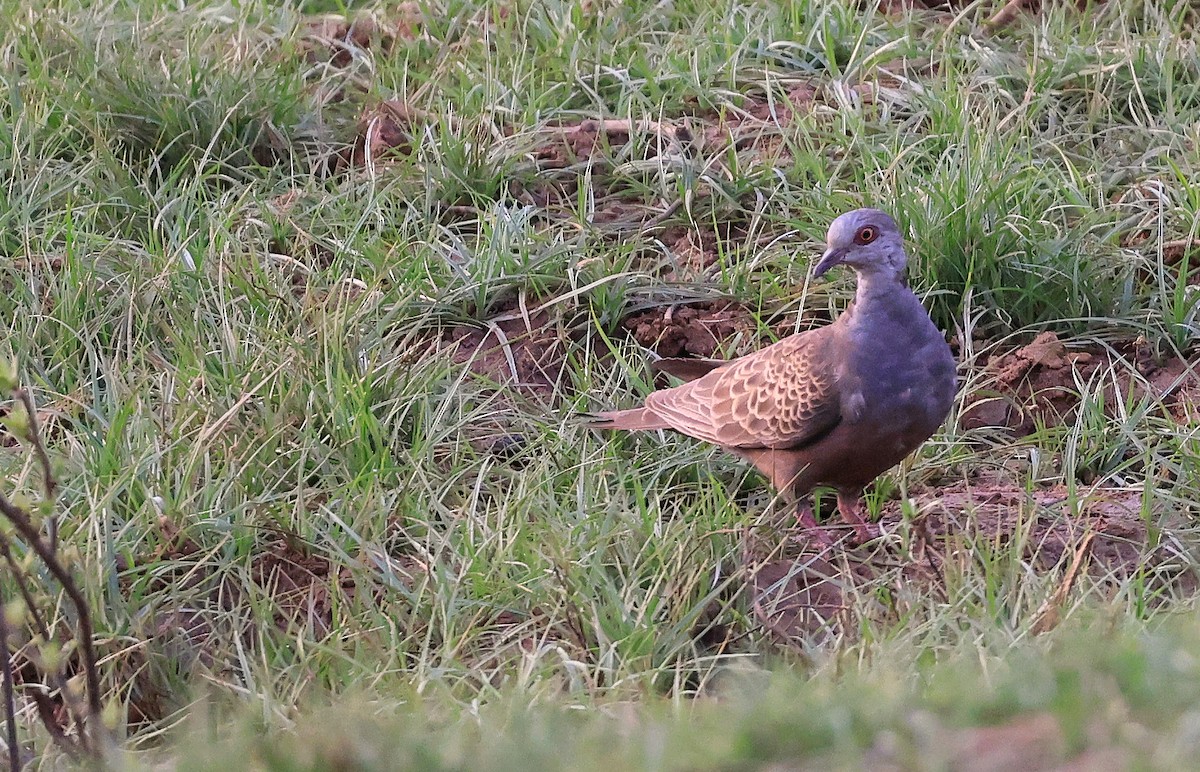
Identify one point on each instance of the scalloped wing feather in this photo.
(784, 396)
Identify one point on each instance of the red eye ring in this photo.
(866, 235)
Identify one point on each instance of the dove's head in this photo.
(867, 240)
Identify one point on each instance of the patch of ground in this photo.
(299, 582)
(553, 155)
(799, 599)
(1040, 383)
(1003, 13)
(567, 144)
(744, 127)
(335, 39)
(692, 253)
(196, 612)
(387, 129)
(520, 350)
(796, 593)
(199, 608)
(1031, 743)
(1042, 522)
(517, 352)
(698, 330)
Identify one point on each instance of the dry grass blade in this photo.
(1047, 617)
(1007, 13)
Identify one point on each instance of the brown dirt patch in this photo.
(385, 130)
(1003, 13)
(1175, 251)
(567, 144)
(334, 38)
(797, 594)
(1001, 513)
(299, 581)
(521, 350)
(800, 598)
(693, 253)
(1039, 383)
(699, 330)
(196, 611)
(601, 144)
(1030, 742)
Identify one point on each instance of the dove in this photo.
(834, 406)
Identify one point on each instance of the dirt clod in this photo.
(798, 598)
(700, 330)
(1042, 383)
(299, 583)
(335, 38)
(693, 253)
(384, 130)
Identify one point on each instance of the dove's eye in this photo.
(866, 235)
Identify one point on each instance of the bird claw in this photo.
(865, 533)
(813, 542)
(860, 532)
(812, 532)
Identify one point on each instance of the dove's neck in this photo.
(877, 286)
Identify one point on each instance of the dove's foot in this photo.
(811, 531)
(848, 507)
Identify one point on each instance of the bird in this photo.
(835, 406)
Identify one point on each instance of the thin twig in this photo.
(45, 708)
(92, 730)
(25, 527)
(10, 703)
(40, 628)
(49, 483)
(39, 624)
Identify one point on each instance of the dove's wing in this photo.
(784, 396)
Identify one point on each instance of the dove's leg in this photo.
(849, 505)
(808, 523)
(783, 468)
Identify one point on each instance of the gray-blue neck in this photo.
(878, 283)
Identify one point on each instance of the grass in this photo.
(316, 538)
(1138, 693)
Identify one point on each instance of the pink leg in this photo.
(810, 526)
(848, 506)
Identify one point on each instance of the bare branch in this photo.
(10, 704)
(45, 708)
(49, 483)
(25, 527)
(92, 735)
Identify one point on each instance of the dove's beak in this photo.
(833, 256)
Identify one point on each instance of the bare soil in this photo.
(698, 330)
(333, 38)
(519, 357)
(524, 351)
(1041, 383)
(797, 592)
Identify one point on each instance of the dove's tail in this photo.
(635, 419)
